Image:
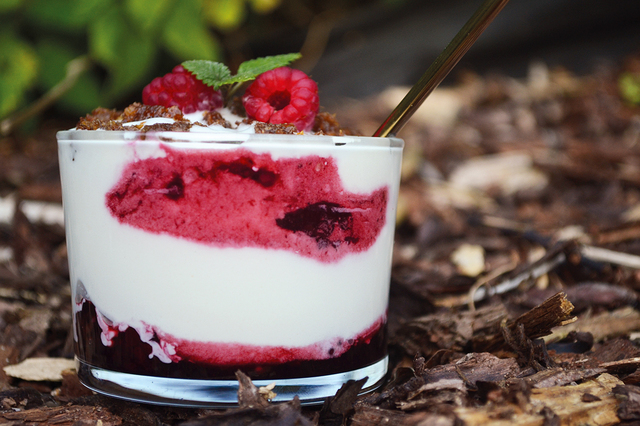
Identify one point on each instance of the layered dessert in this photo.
(206, 238)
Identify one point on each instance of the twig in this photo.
(75, 68)
(319, 30)
(598, 254)
(484, 281)
(481, 290)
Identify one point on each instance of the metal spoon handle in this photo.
(441, 67)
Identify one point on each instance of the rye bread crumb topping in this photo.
(111, 119)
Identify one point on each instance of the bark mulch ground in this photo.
(516, 271)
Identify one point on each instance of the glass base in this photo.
(219, 393)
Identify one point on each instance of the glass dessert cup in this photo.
(195, 255)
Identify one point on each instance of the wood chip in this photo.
(40, 369)
(537, 322)
(509, 173)
(566, 402)
(602, 326)
(62, 416)
(469, 259)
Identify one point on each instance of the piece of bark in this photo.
(565, 402)
(131, 413)
(51, 192)
(286, 413)
(427, 335)
(28, 250)
(615, 349)
(21, 398)
(595, 294)
(632, 379)
(515, 391)
(375, 416)
(8, 355)
(629, 402)
(450, 383)
(61, 416)
(622, 366)
(560, 377)
(336, 409)
(537, 322)
(248, 394)
(473, 367)
(71, 387)
(603, 326)
(624, 232)
(254, 409)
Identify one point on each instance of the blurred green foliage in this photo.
(123, 39)
(629, 84)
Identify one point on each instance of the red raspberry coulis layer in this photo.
(237, 198)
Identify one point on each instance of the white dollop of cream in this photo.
(237, 126)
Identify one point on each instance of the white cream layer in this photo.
(199, 292)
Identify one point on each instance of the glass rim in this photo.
(235, 138)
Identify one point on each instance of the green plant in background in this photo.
(629, 85)
(118, 43)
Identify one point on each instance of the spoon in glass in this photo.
(441, 67)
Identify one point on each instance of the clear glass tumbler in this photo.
(195, 255)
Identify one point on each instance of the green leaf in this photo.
(8, 5)
(126, 53)
(148, 14)
(134, 66)
(217, 75)
(629, 85)
(264, 6)
(211, 73)
(106, 38)
(84, 95)
(186, 36)
(251, 69)
(224, 14)
(69, 16)
(18, 71)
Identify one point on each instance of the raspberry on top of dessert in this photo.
(182, 89)
(280, 100)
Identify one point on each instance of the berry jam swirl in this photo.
(238, 198)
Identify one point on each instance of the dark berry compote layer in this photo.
(127, 353)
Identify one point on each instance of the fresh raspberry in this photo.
(283, 96)
(182, 89)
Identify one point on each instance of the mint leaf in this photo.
(209, 72)
(251, 69)
(216, 74)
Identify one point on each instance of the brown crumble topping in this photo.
(178, 126)
(97, 124)
(100, 118)
(214, 117)
(139, 112)
(326, 124)
(280, 129)
(111, 119)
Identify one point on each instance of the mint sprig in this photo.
(216, 74)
